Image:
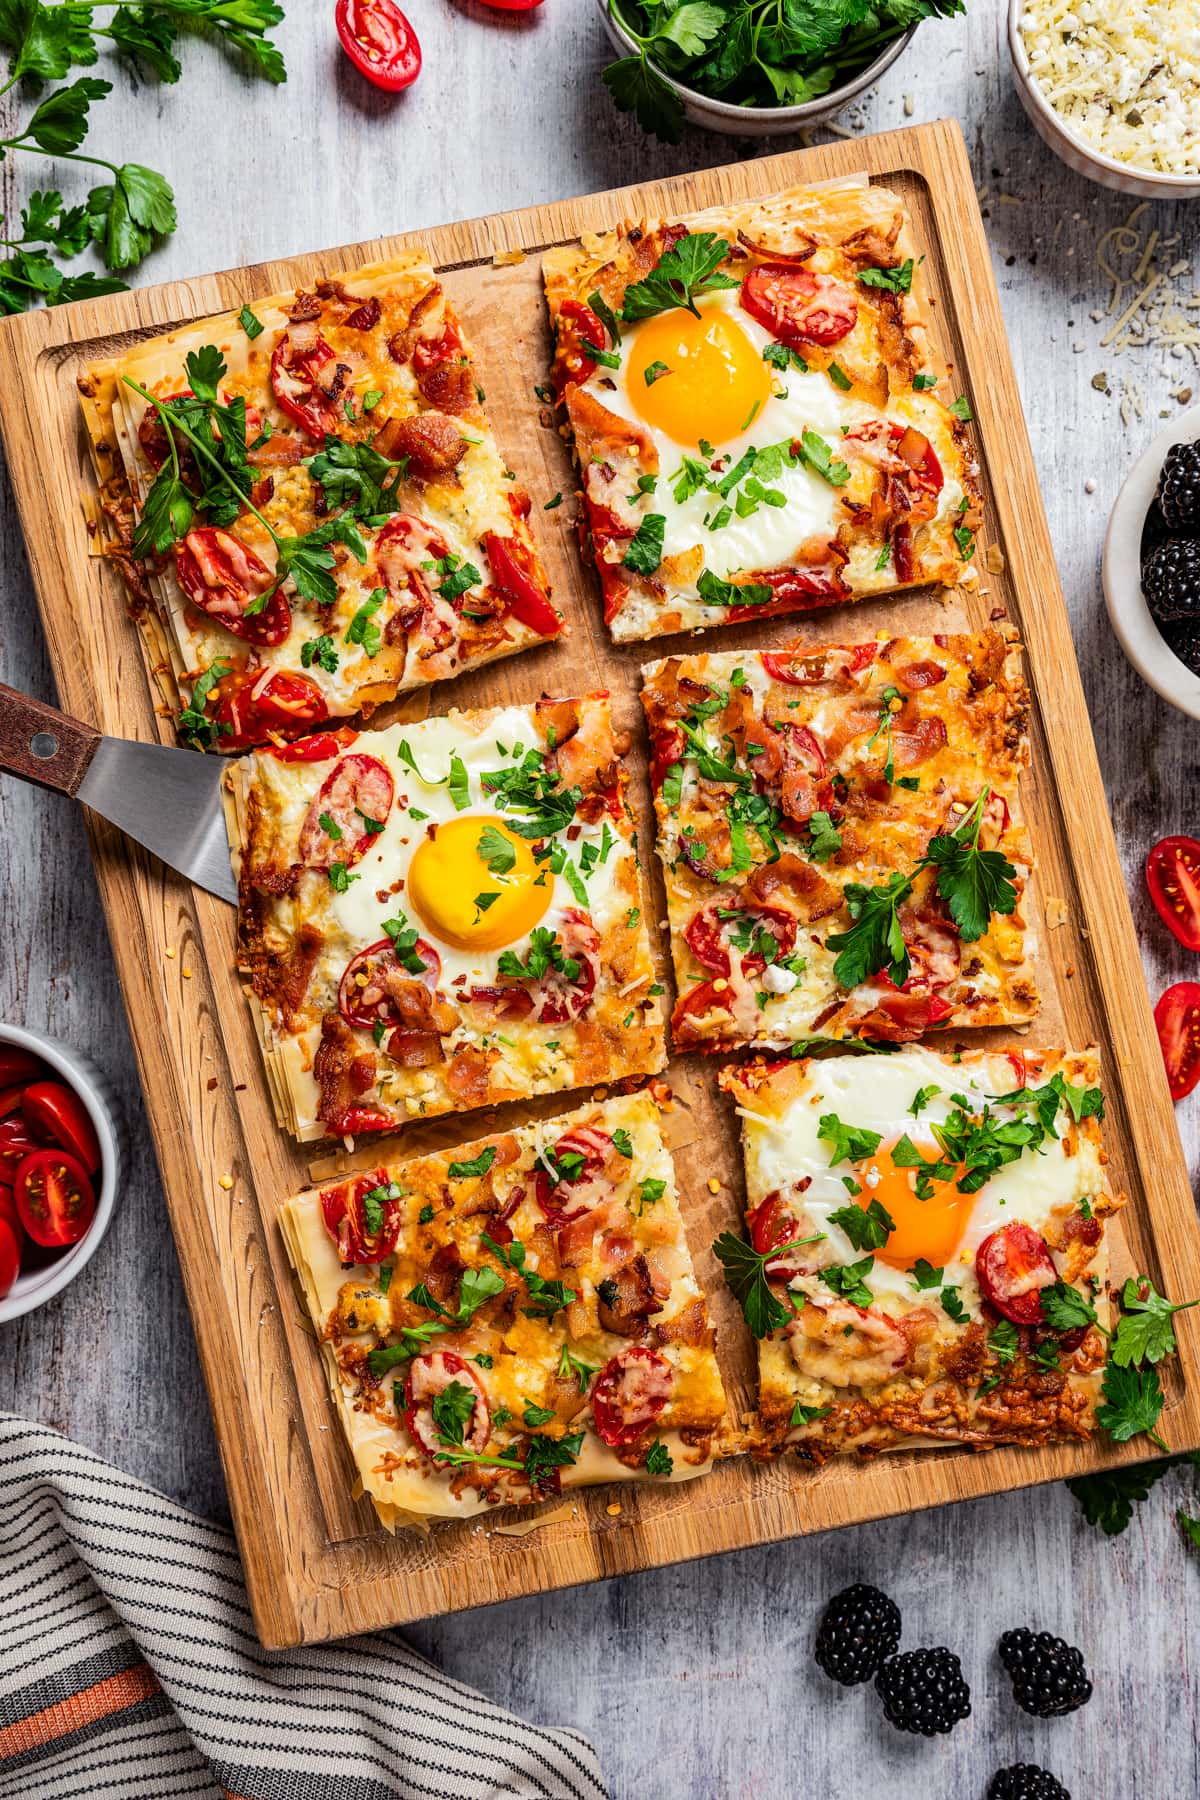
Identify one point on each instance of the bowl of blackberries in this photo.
(1152, 565)
(925, 1692)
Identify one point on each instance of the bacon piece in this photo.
(467, 1076)
(799, 881)
(445, 1272)
(342, 1069)
(433, 444)
(628, 1298)
(303, 307)
(689, 1326)
(364, 317)
(872, 248)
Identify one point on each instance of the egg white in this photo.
(877, 1092)
(359, 913)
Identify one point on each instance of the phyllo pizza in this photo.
(513, 1318)
(307, 501)
(926, 1257)
(438, 916)
(759, 419)
(841, 838)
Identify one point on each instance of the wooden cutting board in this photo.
(317, 1564)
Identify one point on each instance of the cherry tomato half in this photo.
(1177, 1017)
(58, 1116)
(19, 1065)
(1173, 877)
(8, 1213)
(16, 1142)
(380, 42)
(1013, 1265)
(10, 1258)
(54, 1198)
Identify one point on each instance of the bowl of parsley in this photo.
(752, 68)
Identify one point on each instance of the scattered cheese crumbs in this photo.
(714, 1186)
(909, 105)
(226, 1182)
(1123, 75)
(170, 953)
(520, 1527)
(1089, 486)
(993, 560)
(507, 259)
(613, 1510)
(186, 973)
(1149, 306)
(1056, 911)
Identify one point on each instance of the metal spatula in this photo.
(169, 800)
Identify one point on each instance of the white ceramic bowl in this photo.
(33, 1288)
(1126, 178)
(1132, 621)
(760, 121)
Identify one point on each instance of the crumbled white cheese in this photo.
(1123, 75)
(778, 980)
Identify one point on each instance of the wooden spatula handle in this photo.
(43, 745)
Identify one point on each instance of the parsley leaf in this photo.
(1133, 1401)
(690, 268)
(495, 851)
(193, 722)
(974, 883)
(1145, 1333)
(479, 1165)
(1064, 1308)
(849, 1280)
(824, 837)
(745, 1277)
(715, 591)
(925, 1275)
(572, 1367)
(820, 459)
(1107, 1498)
(898, 281)
(875, 940)
(867, 1228)
(645, 548)
(638, 88)
(850, 1142)
(659, 1460)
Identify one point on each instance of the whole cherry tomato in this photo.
(380, 42)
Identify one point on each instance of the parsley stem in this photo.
(97, 162)
(172, 424)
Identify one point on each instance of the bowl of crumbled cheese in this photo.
(1113, 87)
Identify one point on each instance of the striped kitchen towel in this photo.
(129, 1669)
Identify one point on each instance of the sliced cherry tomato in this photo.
(698, 1002)
(10, 1257)
(1177, 1017)
(1013, 1265)
(794, 590)
(797, 306)
(802, 667)
(366, 993)
(19, 1065)
(429, 1376)
(53, 1112)
(577, 329)
(252, 708)
(1173, 877)
(362, 1233)
(579, 1158)
(54, 1198)
(319, 748)
(10, 1100)
(347, 814)
(380, 42)
(224, 578)
(358, 1119)
(630, 1392)
(9, 1214)
(16, 1142)
(514, 572)
(708, 936)
(299, 359)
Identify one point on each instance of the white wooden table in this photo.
(695, 1681)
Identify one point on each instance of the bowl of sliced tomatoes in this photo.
(60, 1166)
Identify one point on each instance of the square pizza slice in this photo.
(841, 838)
(309, 506)
(927, 1259)
(440, 916)
(760, 420)
(514, 1318)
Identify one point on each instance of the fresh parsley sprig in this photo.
(746, 1279)
(689, 268)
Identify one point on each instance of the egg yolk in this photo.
(474, 884)
(696, 378)
(929, 1228)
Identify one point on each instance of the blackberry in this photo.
(1171, 580)
(1184, 638)
(1178, 493)
(923, 1691)
(1024, 1781)
(1048, 1675)
(860, 1630)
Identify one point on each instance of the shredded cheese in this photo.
(1123, 75)
(1153, 302)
